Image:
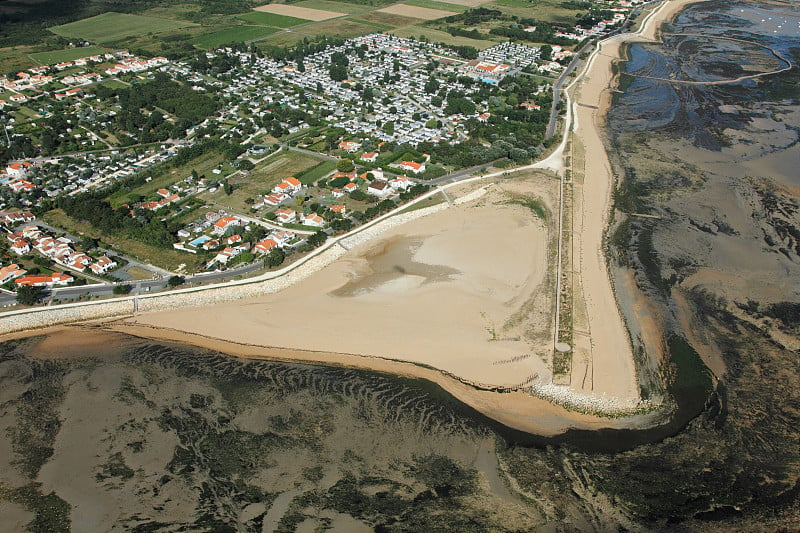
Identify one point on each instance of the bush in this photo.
(122, 289)
(175, 281)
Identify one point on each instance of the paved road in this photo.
(576, 60)
(574, 64)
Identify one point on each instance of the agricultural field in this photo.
(235, 34)
(110, 27)
(339, 28)
(272, 19)
(442, 6)
(69, 54)
(387, 19)
(339, 7)
(435, 36)
(299, 12)
(423, 13)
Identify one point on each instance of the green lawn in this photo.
(232, 35)
(272, 19)
(114, 84)
(59, 56)
(110, 27)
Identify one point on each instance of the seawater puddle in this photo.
(391, 264)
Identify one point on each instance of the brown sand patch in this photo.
(299, 12)
(423, 13)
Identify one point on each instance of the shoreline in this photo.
(519, 410)
(603, 358)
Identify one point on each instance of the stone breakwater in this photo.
(569, 399)
(26, 319)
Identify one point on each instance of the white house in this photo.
(413, 166)
(290, 186)
(379, 188)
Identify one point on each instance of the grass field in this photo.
(340, 28)
(315, 173)
(284, 38)
(545, 10)
(110, 27)
(388, 19)
(424, 13)
(70, 54)
(260, 180)
(441, 37)
(376, 25)
(515, 3)
(15, 58)
(114, 84)
(203, 164)
(272, 19)
(433, 4)
(236, 34)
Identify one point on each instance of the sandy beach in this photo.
(451, 290)
(466, 292)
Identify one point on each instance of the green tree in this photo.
(345, 165)
(431, 86)
(29, 295)
(88, 243)
(317, 238)
(368, 95)
(337, 72)
(275, 258)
